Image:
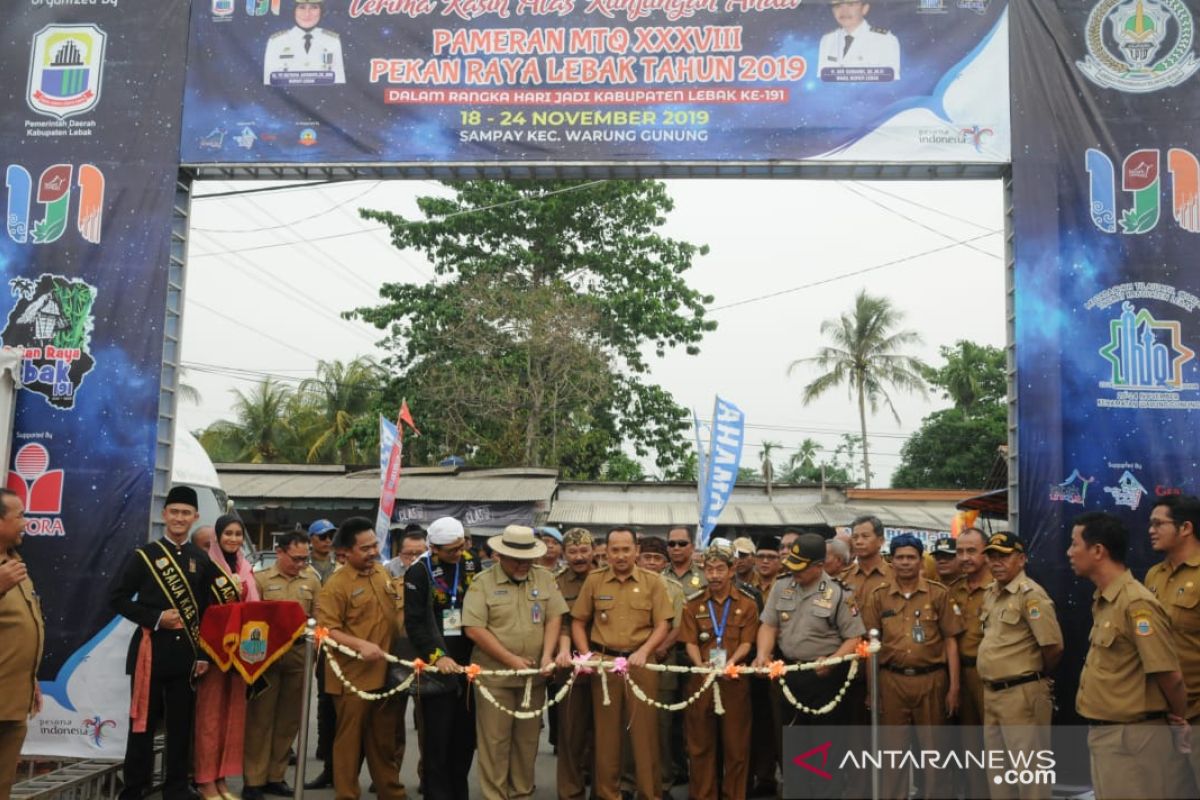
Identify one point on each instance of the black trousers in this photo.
(174, 698)
(326, 717)
(814, 692)
(449, 748)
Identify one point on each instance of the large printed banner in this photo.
(464, 81)
(89, 146)
(1107, 195)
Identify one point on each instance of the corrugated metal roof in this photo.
(662, 514)
(477, 486)
(926, 516)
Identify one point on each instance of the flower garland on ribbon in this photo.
(587, 663)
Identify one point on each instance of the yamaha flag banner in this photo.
(455, 81)
(90, 139)
(724, 458)
(1106, 187)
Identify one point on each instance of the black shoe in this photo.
(277, 788)
(322, 781)
(252, 793)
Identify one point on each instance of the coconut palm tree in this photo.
(260, 434)
(802, 464)
(340, 395)
(865, 354)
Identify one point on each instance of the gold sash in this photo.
(171, 579)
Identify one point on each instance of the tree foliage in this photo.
(320, 421)
(955, 448)
(531, 345)
(866, 355)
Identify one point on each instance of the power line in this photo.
(912, 220)
(842, 276)
(242, 325)
(451, 215)
(872, 187)
(309, 218)
(262, 189)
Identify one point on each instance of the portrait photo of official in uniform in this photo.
(305, 54)
(857, 51)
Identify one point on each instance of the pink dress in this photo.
(221, 702)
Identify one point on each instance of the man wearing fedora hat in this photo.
(513, 613)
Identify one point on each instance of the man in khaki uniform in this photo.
(359, 605)
(623, 611)
(575, 712)
(719, 627)
(810, 616)
(1175, 581)
(918, 659)
(272, 715)
(1131, 681)
(1022, 643)
(967, 589)
(23, 634)
(513, 613)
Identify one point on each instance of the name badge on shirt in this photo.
(718, 658)
(918, 631)
(536, 614)
(452, 622)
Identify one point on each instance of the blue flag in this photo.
(724, 457)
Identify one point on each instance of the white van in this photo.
(193, 467)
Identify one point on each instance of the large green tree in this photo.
(866, 354)
(531, 345)
(261, 432)
(955, 448)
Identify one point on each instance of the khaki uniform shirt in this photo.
(678, 596)
(570, 584)
(1018, 621)
(622, 613)
(700, 628)
(814, 622)
(691, 581)
(897, 617)
(764, 584)
(24, 636)
(970, 604)
(303, 589)
(367, 607)
(515, 613)
(862, 582)
(1178, 590)
(1130, 642)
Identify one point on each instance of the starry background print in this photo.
(1063, 260)
(106, 442)
(225, 92)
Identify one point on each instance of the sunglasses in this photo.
(327, 535)
(678, 543)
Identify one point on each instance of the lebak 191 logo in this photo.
(40, 489)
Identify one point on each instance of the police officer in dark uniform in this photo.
(163, 589)
(810, 616)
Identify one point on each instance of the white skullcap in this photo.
(445, 530)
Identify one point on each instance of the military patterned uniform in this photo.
(913, 681)
(271, 725)
(1178, 590)
(24, 636)
(516, 614)
(702, 617)
(574, 713)
(621, 614)
(366, 607)
(1130, 642)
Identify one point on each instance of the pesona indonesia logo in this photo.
(39, 487)
(1145, 360)
(1139, 46)
(94, 730)
(66, 65)
(1073, 490)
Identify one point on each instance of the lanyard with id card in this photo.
(718, 657)
(451, 617)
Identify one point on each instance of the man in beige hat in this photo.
(513, 613)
